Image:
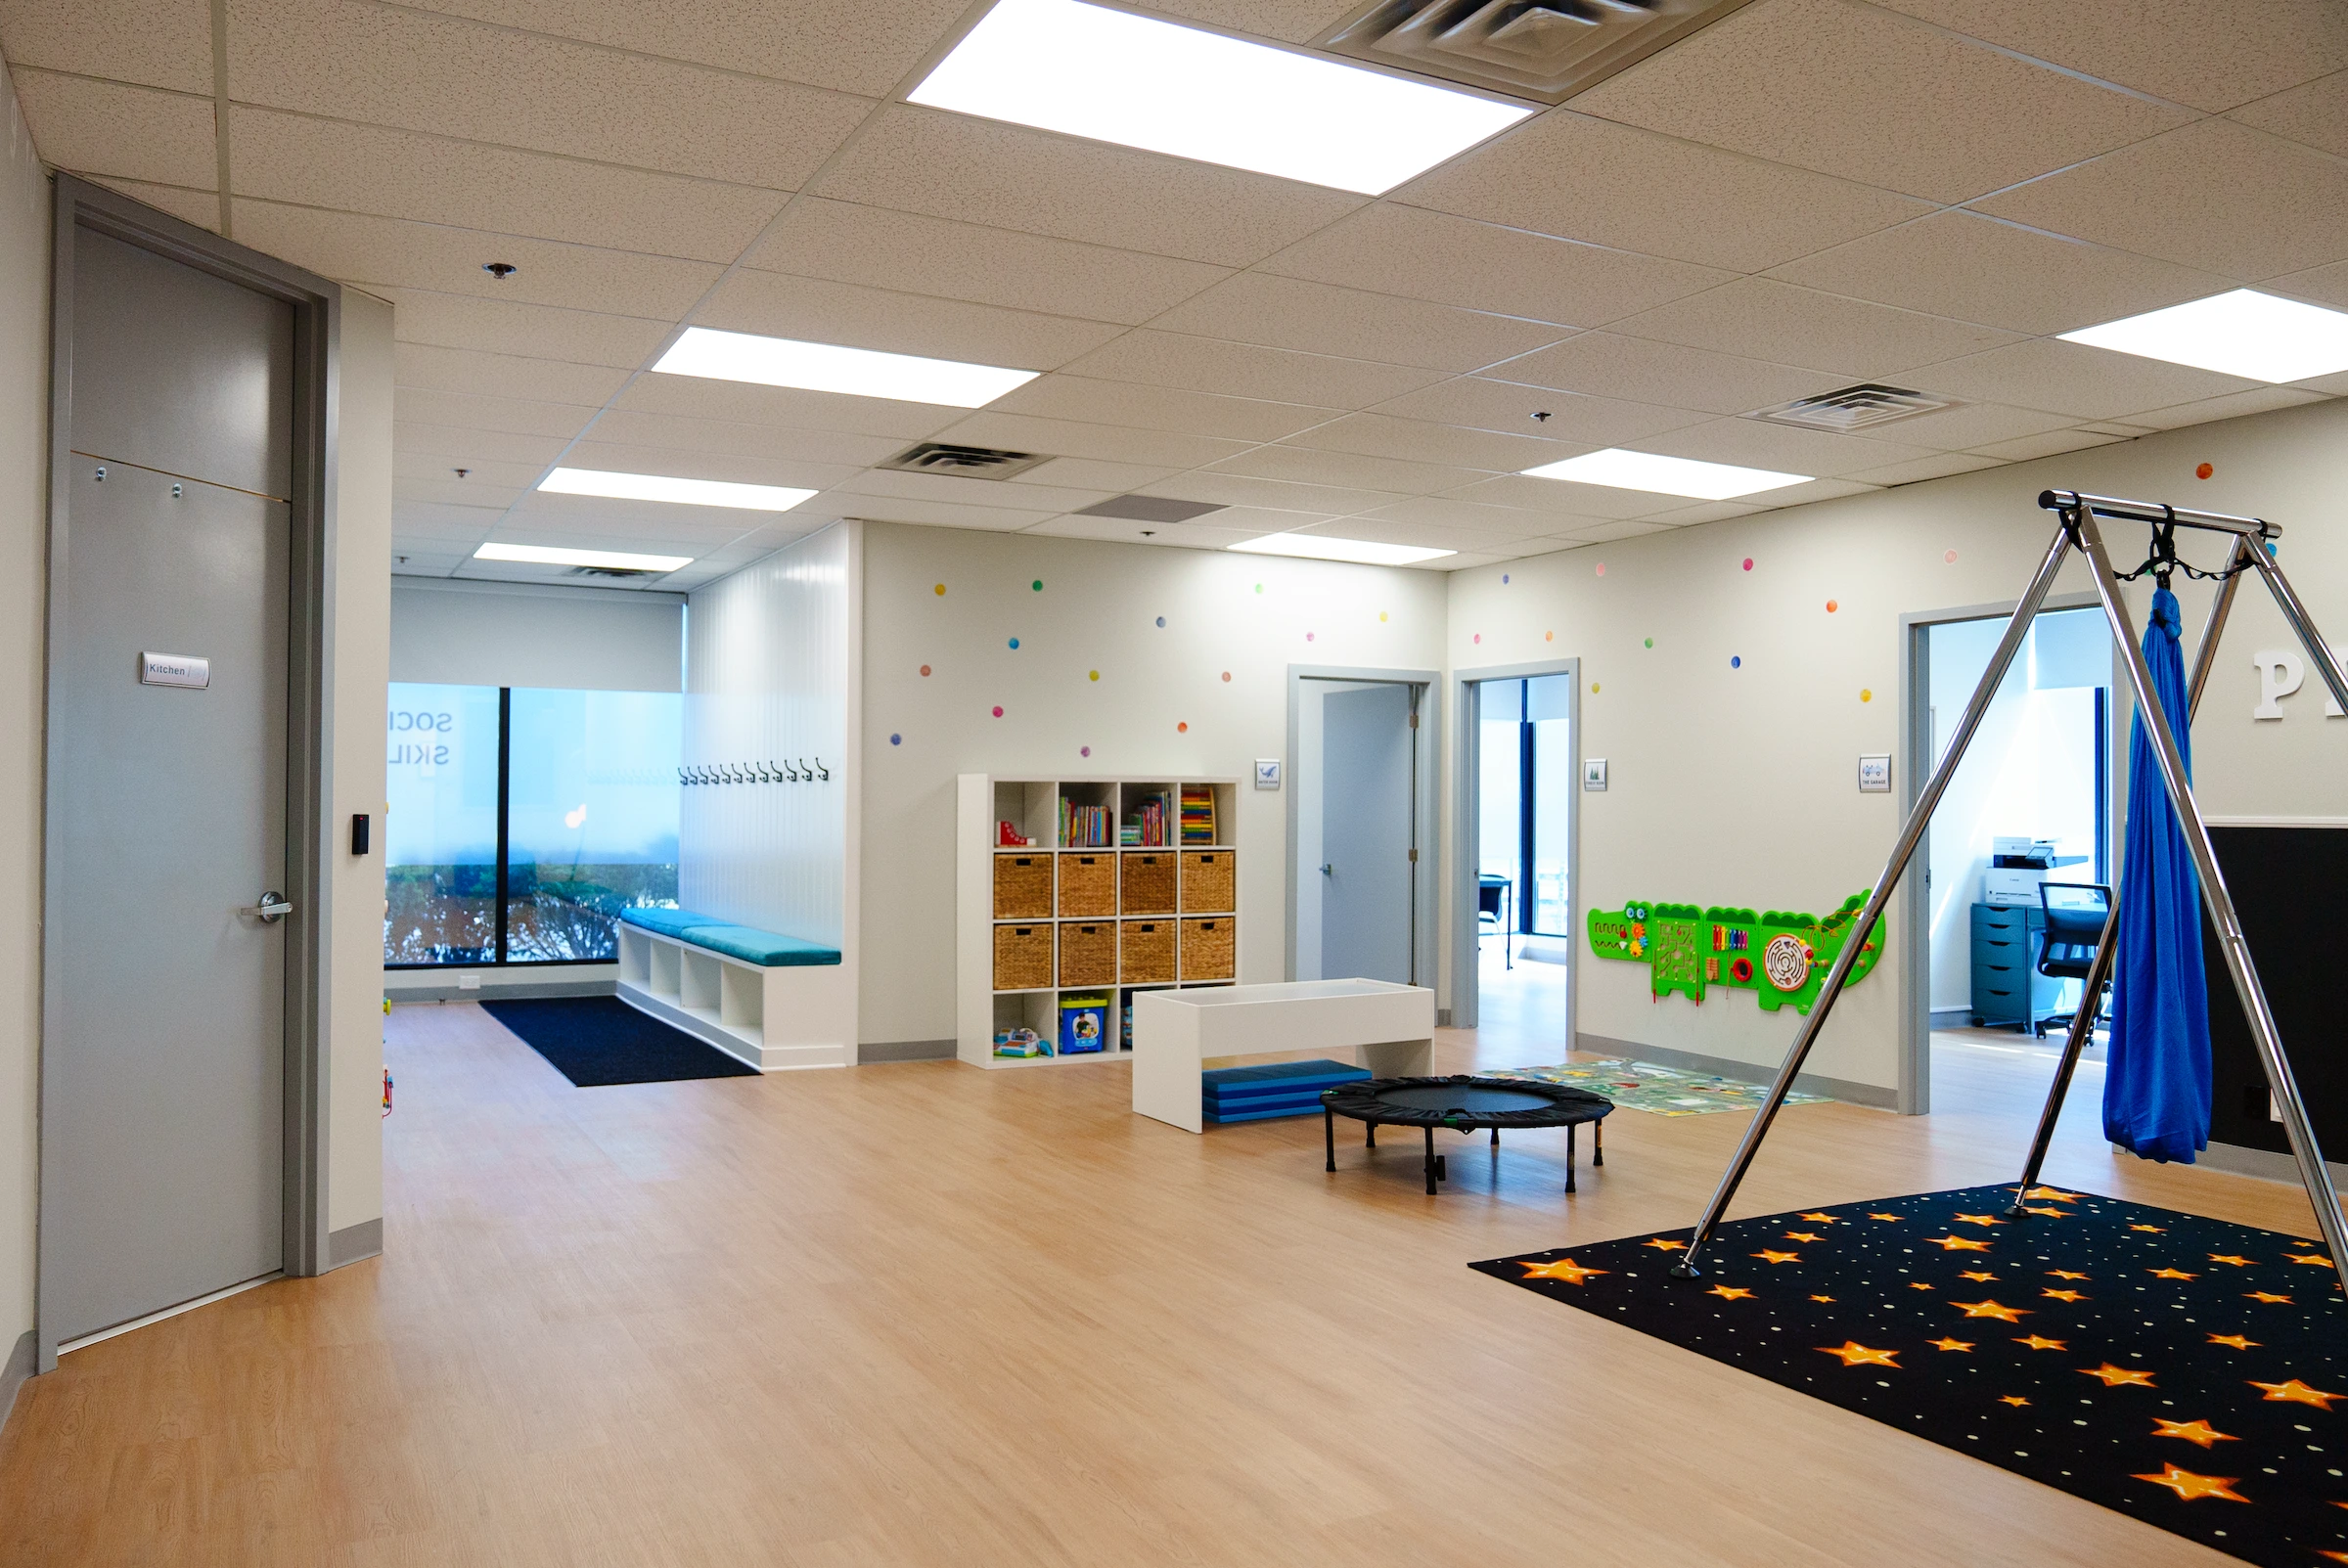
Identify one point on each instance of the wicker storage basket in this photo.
(1087, 953)
(1147, 951)
(1024, 886)
(1149, 881)
(1023, 957)
(1207, 949)
(1088, 883)
(1208, 882)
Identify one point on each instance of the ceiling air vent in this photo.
(613, 571)
(1544, 49)
(1854, 407)
(964, 461)
(1150, 508)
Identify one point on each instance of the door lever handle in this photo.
(1326, 871)
(272, 909)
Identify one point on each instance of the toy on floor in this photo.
(1020, 1042)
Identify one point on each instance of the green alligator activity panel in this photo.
(1781, 958)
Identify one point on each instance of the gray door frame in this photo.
(1424, 814)
(1914, 1091)
(317, 306)
(1467, 772)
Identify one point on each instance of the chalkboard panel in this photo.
(2291, 888)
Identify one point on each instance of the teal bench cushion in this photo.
(767, 949)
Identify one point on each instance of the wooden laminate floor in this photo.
(921, 1314)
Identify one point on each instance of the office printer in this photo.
(2016, 865)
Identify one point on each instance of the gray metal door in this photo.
(163, 1122)
(1365, 833)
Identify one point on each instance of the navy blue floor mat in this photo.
(596, 1042)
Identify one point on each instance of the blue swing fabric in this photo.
(2156, 1086)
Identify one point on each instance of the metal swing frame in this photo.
(2077, 530)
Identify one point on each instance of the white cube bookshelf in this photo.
(1032, 806)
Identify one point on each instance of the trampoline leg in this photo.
(1569, 1157)
(1496, 1138)
(1370, 1135)
(1430, 1163)
(1597, 1144)
(1329, 1132)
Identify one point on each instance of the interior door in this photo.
(1367, 758)
(163, 1104)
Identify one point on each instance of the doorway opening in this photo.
(1360, 802)
(2030, 809)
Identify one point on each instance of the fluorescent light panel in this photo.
(680, 492)
(1113, 77)
(830, 368)
(2245, 333)
(556, 556)
(1618, 470)
(1320, 547)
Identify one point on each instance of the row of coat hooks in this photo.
(737, 773)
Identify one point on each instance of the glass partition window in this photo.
(523, 821)
(1525, 772)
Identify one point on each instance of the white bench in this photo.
(772, 1001)
(1388, 1028)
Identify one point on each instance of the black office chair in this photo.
(1495, 901)
(2078, 916)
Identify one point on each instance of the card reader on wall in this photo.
(2016, 865)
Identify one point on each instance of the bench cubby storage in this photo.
(772, 1001)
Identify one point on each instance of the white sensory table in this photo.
(1389, 1028)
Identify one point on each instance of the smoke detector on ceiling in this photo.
(1854, 407)
(1543, 49)
(964, 461)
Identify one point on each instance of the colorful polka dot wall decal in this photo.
(1037, 585)
(1950, 557)
(1084, 752)
(1092, 675)
(1504, 578)
(1381, 614)
(1748, 563)
(1736, 661)
(939, 589)
(1601, 568)
(1161, 620)
(2203, 471)
(1650, 642)
(1831, 607)
(925, 669)
(1015, 643)
(1259, 588)
(1308, 637)
(1593, 689)
(1227, 677)
(1549, 636)
(897, 739)
(1866, 696)
(1182, 728)
(1480, 637)
(998, 713)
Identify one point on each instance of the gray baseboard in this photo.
(1744, 1072)
(354, 1241)
(878, 1050)
(1952, 1017)
(1442, 1018)
(14, 1371)
(439, 990)
(2265, 1164)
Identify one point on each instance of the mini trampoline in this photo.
(1464, 1105)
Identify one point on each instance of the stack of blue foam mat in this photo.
(1279, 1089)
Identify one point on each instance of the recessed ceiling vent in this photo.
(1854, 407)
(964, 461)
(1150, 508)
(613, 571)
(1544, 49)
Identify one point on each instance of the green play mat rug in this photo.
(2183, 1372)
(1659, 1091)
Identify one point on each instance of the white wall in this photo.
(23, 537)
(461, 633)
(1098, 611)
(1736, 786)
(772, 675)
(362, 619)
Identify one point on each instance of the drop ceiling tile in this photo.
(599, 518)
(391, 65)
(1758, 444)
(153, 43)
(469, 445)
(2211, 54)
(105, 127)
(819, 310)
(677, 433)
(1608, 364)
(1249, 370)
(1449, 511)
(387, 252)
(1874, 97)
(617, 457)
(1757, 318)
(1092, 474)
(1423, 255)
(1706, 512)
(1274, 495)
(463, 411)
(1974, 268)
(1615, 532)
(2234, 405)
(2315, 114)
(844, 44)
(909, 252)
(1317, 317)
(2323, 286)
(1509, 407)
(449, 490)
(421, 564)
(1420, 535)
(199, 208)
(1119, 530)
(401, 175)
(785, 407)
(981, 171)
(493, 477)
(1597, 502)
(1006, 494)
(2090, 384)
(2215, 195)
(1579, 177)
(439, 519)
(931, 513)
(1383, 435)
(1302, 466)
(1160, 408)
(1295, 21)
(1969, 425)
(456, 370)
(1249, 520)
(2047, 445)
(1795, 495)
(1075, 438)
(531, 331)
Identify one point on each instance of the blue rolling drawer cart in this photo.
(2008, 988)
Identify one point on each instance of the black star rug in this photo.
(2185, 1372)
